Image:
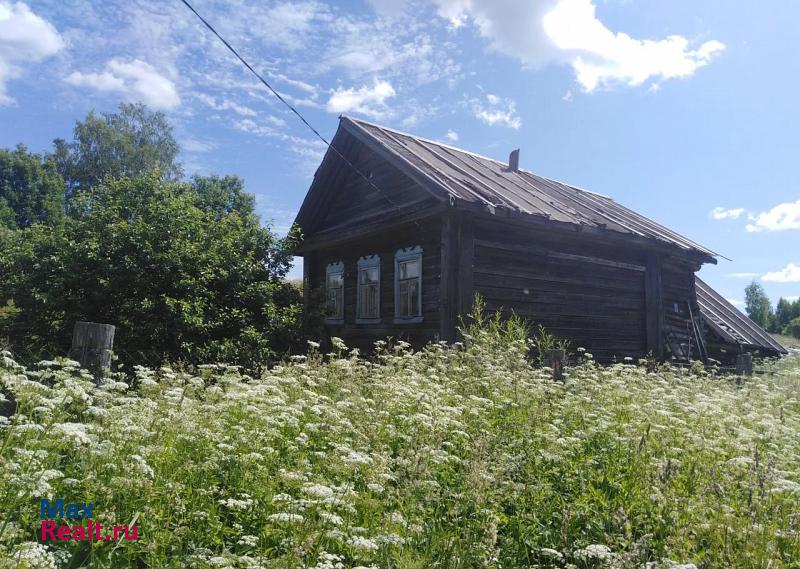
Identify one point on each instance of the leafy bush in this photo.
(460, 456)
(175, 275)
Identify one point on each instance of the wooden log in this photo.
(92, 345)
(448, 290)
(466, 266)
(654, 304)
(555, 360)
(744, 364)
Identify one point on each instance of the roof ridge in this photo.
(594, 209)
(424, 139)
(469, 152)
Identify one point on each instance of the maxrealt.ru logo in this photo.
(90, 531)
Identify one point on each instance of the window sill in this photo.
(368, 320)
(334, 321)
(409, 320)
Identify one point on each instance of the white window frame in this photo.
(368, 262)
(407, 254)
(333, 269)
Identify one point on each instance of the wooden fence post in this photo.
(555, 359)
(92, 344)
(744, 364)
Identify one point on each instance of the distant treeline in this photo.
(106, 228)
(783, 319)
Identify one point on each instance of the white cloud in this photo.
(135, 80)
(391, 8)
(742, 275)
(452, 136)
(366, 100)
(780, 218)
(25, 38)
(406, 50)
(499, 111)
(197, 146)
(302, 85)
(259, 129)
(312, 148)
(723, 213)
(226, 104)
(288, 24)
(735, 302)
(569, 31)
(792, 298)
(789, 274)
(567, 96)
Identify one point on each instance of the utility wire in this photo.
(291, 108)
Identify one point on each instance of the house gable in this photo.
(364, 189)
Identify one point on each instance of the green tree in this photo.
(792, 328)
(223, 195)
(31, 189)
(784, 313)
(173, 274)
(130, 142)
(757, 304)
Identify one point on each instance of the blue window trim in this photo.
(367, 262)
(332, 269)
(407, 254)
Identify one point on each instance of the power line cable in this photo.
(291, 108)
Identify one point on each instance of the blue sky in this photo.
(685, 111)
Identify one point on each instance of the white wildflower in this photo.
(318, 491)
(332, 518)
(33, 556)
(595, 551)
(357, 458)
(74, 432)
(362, 543)
(551, 553)
(286, 517)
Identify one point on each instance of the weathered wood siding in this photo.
(354, 201)
(678, 295)
(426, 235)
(592, 295)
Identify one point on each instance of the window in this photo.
(334, 292)
(408, 285)
(369, 289)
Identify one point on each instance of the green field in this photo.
(449, 457)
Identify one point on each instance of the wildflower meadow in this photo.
(453, 456)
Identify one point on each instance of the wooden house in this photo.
(401, 232)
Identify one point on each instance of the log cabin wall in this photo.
(578, 289)
(426, 235)
(680, 305)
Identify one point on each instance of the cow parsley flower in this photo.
(33, 556)
(357, 458)
(595, 552)
(286, 517)
(74, 432)
(362, 543)
(332, 518)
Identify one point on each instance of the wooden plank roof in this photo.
(464, 176)
(729, 323)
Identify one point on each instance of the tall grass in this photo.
(462, 456)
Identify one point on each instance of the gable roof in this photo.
(461, 176)
(729, 323)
